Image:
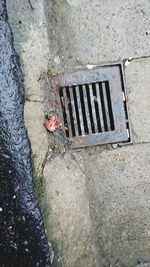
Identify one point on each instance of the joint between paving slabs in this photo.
(33, 100)
(44, 162)
(140, 57)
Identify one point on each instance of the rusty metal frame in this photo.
(112, 73)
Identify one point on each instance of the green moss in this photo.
(39, 186)
(57, 262)
(52, 73)
(86, 258)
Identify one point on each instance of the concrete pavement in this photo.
(98, 198)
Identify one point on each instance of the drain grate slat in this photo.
(63, 106)
(86, 130)
(71, 119)
(108, 125)
(100, 107)
(80, 110)
(66, 113)
(90, 109)
(74, 113)
(94, 109)
(87, 109)
(103, 107)
(109, 106)
(76, 109)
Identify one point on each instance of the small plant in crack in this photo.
(57, 149)
(52, 73)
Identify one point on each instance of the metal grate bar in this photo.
(100, 107)
(106, 106)
(109, 106)
(103, 106)
(74, 113)
(69, 113)
(76, 109)
(80, 110)
(65, 112)
(96, 107)
(90, 108)
(86, 130)
(93, 107)
(87, 109)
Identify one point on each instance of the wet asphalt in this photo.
(23, 242)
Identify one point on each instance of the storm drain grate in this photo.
(92, 105)
(87, 109)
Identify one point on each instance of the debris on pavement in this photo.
(31, 4)
(52, 124)
(114, 146)
(90, 67)
(128, 61)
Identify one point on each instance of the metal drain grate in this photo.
(87, 109)
(92, 105)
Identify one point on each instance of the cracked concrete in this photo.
(98, 198)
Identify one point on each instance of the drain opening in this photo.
(87, 109)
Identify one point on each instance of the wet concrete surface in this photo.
(22, 237)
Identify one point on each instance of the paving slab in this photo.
(138, 95)
(34, 114)
(118, 184)
(31, 41)
(93, 31)
(69, 210)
